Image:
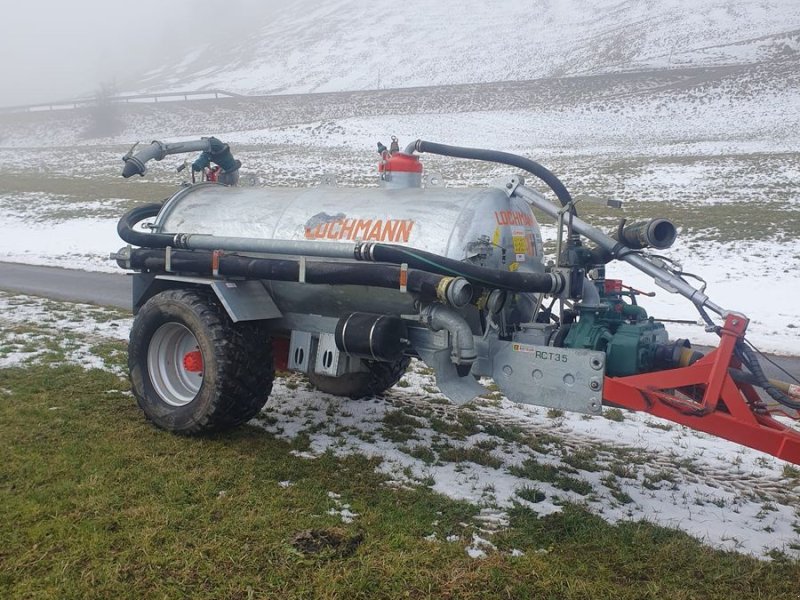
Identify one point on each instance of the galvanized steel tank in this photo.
(483, 226)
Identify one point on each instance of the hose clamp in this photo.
(181, 240)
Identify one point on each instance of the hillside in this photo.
(352, 45)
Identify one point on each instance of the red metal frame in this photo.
(712, 401)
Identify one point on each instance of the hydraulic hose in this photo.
(792, 391)
(548, 283)
(750, 359)
(505, 158)
(430, 286)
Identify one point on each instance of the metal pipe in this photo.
(618, 250)
(462, 342)
(136, 164)
(213, 150)
(655, 233)
(202, 241)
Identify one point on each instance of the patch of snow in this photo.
(342, 510)
(479, 547)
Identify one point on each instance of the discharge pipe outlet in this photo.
(656, 233)
(462, 343)
(216, 151)
(663, 277)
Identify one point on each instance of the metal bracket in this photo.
(508, 185)
(329, 360)
(301, 347)
(564, 378)
(404, 277)
(481, 247)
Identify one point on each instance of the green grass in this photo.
(399, 427)
(473, 454)
(536, 471)
(97, 503)
(94, 188)
(614, 414)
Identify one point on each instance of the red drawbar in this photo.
(710, 400)
(193, 361)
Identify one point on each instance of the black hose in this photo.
(505, 158)
(397, 255)
(125, 228)
(493, 278)
(280, 269)
(749, 358)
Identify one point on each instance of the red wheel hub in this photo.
(193, 361)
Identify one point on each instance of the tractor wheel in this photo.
(192, 369)
(380, 377)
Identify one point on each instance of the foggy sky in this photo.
(59, 49)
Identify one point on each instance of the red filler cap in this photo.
(400, 162)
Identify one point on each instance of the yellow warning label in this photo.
(513, 266)
(496, 236)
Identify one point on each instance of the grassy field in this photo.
(98, 503)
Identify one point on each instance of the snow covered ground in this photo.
(492, 453)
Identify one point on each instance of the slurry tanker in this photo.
(347, 285)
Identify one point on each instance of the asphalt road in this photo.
(67, 284)
(115, 290)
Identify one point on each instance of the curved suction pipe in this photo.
(462, 342)
(214, 151)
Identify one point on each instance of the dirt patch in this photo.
(333, 542)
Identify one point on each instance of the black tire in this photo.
(235, 369)
(380, 377)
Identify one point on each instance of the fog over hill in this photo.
(351, 44)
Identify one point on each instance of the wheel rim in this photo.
(175, 364)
